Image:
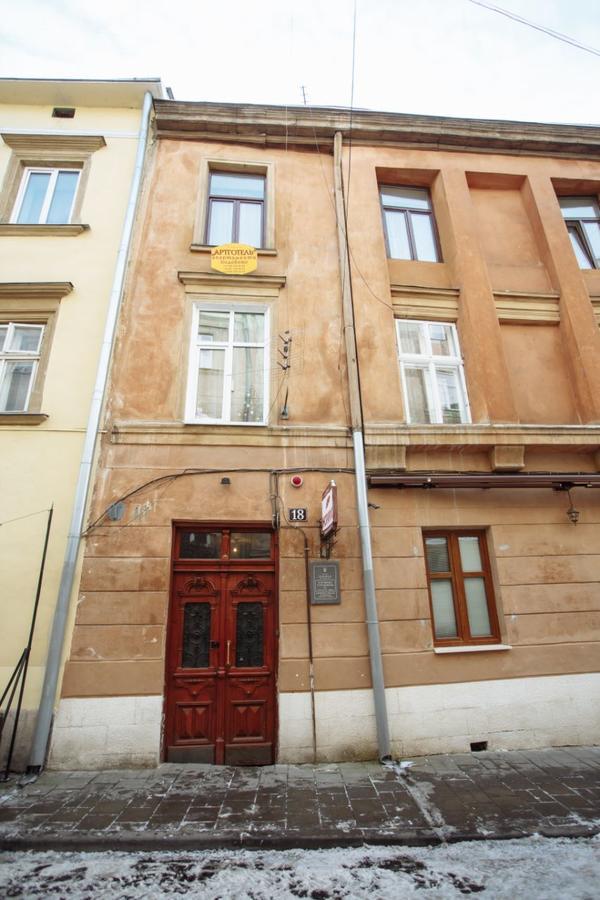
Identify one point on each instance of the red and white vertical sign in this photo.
(329, 512)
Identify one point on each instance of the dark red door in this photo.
(220, 679)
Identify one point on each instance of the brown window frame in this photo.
(408, 212)
(236, 201)
(576, 223)
(457, 576)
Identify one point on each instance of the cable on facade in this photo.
(558, 35)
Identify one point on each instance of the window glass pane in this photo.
(579, 207)
(213, 326)
(220, 229)
(209, 403)
(405, 197)
(477, 610)
(250, 230)
(250, 544)
(62, 201)
(242, 187)
(444, 619)
(249, 327)
(449, 395)
(470, 556)
(35, 193)
(441, 337)
(248, 383)
(418, 404)
(249, 650)
(3, 333)
(437, 554)
(580, 249)
(196, 636)
(16, 378)
(26, 339)
(397, 235)
(411, 337)
(200, 545)
(422, 226)
(592, 230)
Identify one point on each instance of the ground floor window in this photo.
(460, 588)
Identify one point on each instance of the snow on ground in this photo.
(536, 868)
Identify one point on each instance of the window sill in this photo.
(206, 248)
(220, 422)
(472, 648)
(15, 229)
(22, 418)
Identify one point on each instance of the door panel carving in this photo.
(221, 657)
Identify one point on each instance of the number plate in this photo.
(298, 514)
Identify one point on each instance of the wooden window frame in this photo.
(407, 212)
(196, 347)
(430, 362)
(7, 356)
(54, 172)
(457, 576)
(576, 224)
(237, 202)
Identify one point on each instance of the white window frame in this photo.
(54, 173)
(430, 362)
(197, 348)
(7, 356)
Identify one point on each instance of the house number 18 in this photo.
(298, 514)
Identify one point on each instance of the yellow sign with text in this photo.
(234, 259)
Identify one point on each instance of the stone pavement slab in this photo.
(554, 792)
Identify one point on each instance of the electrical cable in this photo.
(558, 35)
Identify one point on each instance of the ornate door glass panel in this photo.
(249, 635)
(196, 636)
(250, 544)
(200, 544)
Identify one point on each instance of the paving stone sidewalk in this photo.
(554, 792)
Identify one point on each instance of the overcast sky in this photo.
(444, 57)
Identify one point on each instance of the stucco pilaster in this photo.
(488, 384)
(579, 329)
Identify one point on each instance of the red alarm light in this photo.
(296, 481)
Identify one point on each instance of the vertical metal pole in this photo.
(27, 651)
(381, 718)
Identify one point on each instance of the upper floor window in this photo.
(228, 373)
(46, 196)
(410, 229)
(582, 218)
(432, 372)
(19, 356)
(460, 588)
(236, 209)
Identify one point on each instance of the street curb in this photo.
(130, 842)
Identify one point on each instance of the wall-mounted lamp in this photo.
(572, 513)
(225, 480)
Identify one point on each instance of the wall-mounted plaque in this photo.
(325, 583)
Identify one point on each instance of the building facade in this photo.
(426, 287)
(67, 159)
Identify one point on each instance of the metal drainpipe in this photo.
(55, 648)
(381, 718)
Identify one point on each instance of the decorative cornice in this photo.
(178, 433)
(15, 230)
(35, 290)
(485, 436)
(278, 125)
(217, 284)
(527, 307)
(53, 143)
(413, 301)
(22, 418)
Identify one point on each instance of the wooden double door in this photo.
(222, 648)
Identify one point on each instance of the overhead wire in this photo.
(558, 35)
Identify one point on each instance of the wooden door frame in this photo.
(270, 565)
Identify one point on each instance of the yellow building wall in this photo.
(40, 463)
